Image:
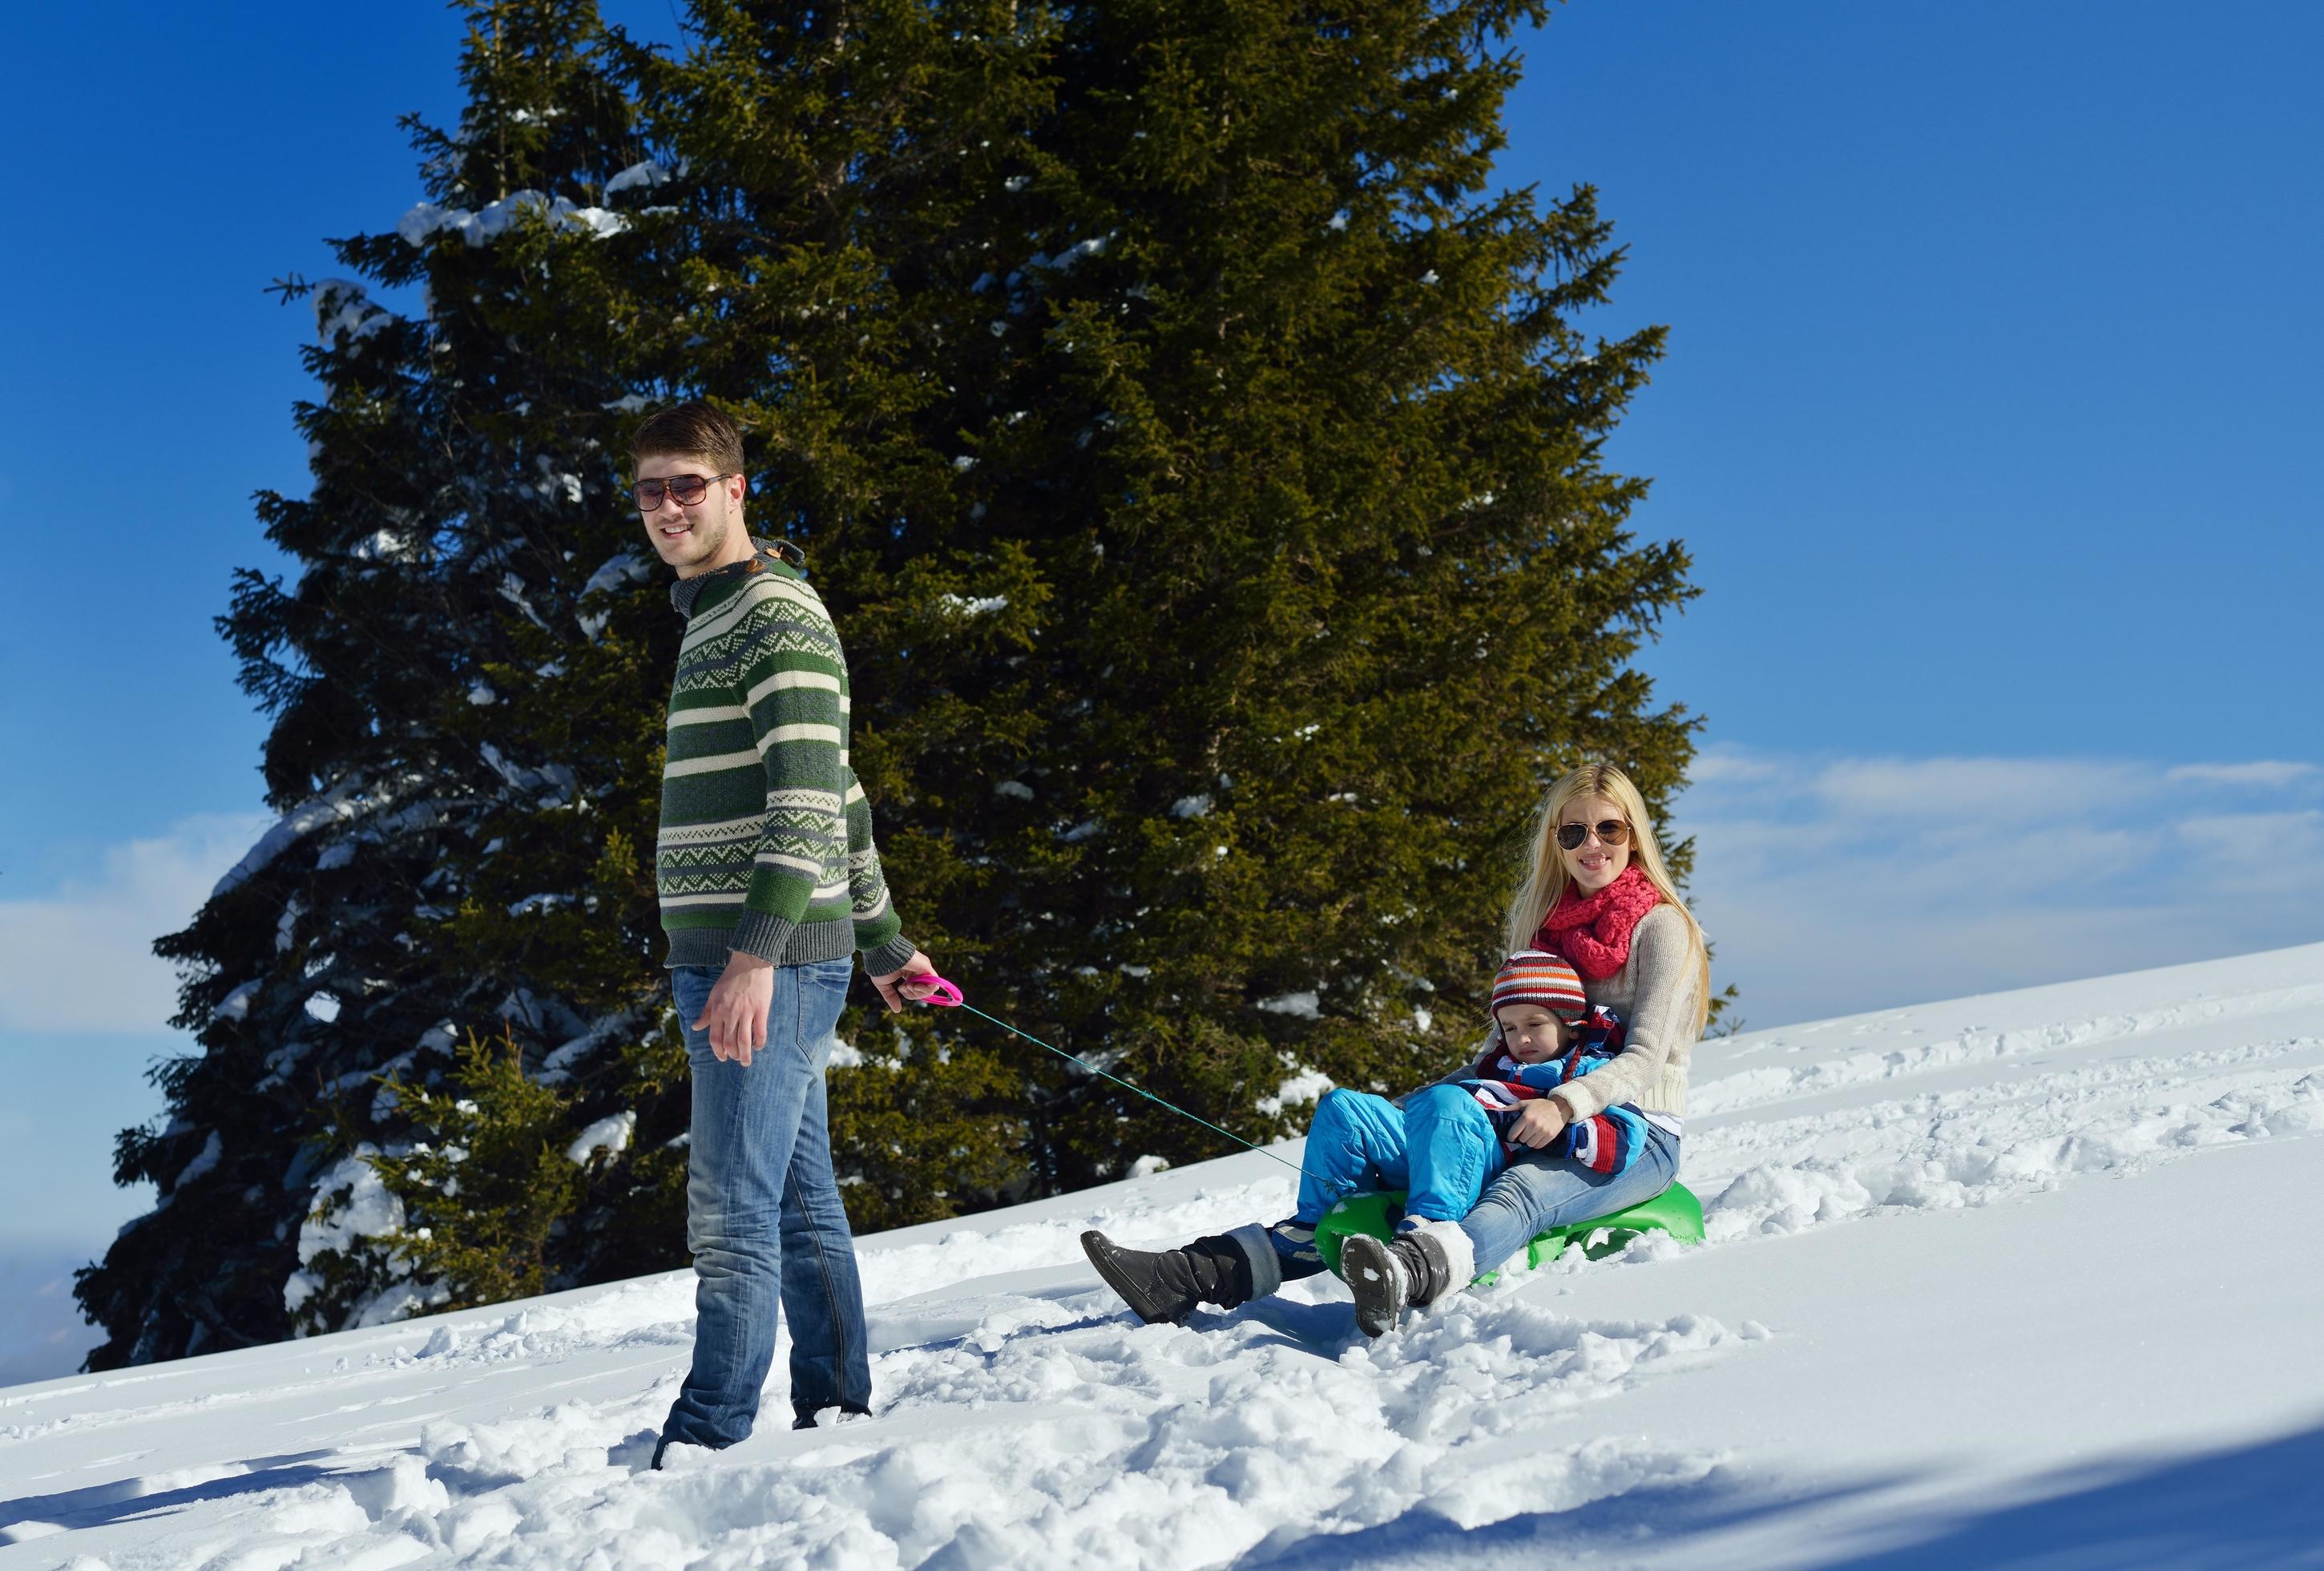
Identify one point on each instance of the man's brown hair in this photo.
(690, 430)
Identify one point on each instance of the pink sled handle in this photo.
(939, 998)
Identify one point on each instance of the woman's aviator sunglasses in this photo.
(689, 490)
(1612, 832)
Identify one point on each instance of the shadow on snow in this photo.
(98, 1505)
(2256, 1504)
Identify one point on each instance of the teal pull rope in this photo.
(1126, 1086)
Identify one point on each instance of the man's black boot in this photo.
(1165, 1285)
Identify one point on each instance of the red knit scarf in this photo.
(1594, 932)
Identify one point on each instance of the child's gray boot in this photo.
(1418, 1266)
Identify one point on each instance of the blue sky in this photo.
(1990, 416)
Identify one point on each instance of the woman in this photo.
(1595, 890)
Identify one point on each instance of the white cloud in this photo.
(2269, 775)
(1835, 884)
(1728, 764)
(2260, 856)
(81, 959)
(1977, 790)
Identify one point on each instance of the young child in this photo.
(1547, 1034)
(1442, 1146)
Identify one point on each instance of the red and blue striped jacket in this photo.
(1607, 1143)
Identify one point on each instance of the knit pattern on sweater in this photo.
(765, 844)
(1657, 992)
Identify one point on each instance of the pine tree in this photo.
(824, 150)
(455, 678)
(1204, 468)
(492, 1172)
(1205, 465)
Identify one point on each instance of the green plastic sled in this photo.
(1675, 1211)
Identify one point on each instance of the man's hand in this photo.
(1540, 1122)
(895, 995)
(736, 1013)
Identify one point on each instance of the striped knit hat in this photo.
(1538, 976)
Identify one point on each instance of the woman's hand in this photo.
(1538, 1122)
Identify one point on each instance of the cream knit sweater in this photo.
(1657, 992)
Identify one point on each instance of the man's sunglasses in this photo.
(1612, 832)
(689, 490)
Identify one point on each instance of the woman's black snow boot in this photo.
(1417, 1266)
(1166, 1284)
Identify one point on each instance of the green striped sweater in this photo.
(765, 844)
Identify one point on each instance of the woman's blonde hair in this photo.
(1545, 878)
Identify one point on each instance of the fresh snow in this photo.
(963, 605)
(2025, 1278)
(646, 176)
(235, 1005)
(203, 1161)
(557, 1067)
(345, 800)
(344, 309)
(616, 572)
(610, 1134)
(489, 222)
(1303, 1085)
(370, 1211)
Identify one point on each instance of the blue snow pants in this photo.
(1439, 1148)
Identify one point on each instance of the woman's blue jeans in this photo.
(763, 1217)
(1536, 1192)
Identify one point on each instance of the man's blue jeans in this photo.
(763, 1216)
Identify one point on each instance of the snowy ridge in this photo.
(1991, 1205)
(1774, 1083)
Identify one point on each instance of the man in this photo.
(770, 884)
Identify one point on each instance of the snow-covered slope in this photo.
(2028, 1277)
